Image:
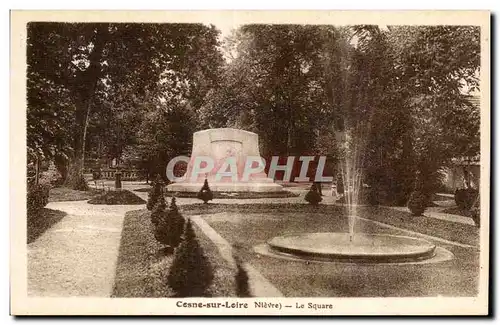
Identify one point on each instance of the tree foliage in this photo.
(87, 80)
(402, 91)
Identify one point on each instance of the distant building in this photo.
(464, 171)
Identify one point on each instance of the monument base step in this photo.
(226, 187)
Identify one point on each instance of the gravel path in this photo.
(77, 256)
(436, 213)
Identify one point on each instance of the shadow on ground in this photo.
(37, 226)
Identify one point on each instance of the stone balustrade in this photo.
(127, 174)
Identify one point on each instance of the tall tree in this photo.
(108, 65)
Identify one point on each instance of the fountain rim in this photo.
(225, 129)
(428, 251)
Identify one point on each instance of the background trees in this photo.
(401, 92)
(114, 89)
(99, 76)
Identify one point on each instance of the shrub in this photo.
(376, 196)
(393, 183)
(476, 215)
(37, 198)
(313, 196)
(51, 176)
(169, 226)
(369, 195)
(417, 203)
(205, 194)
(158, 212)
(173, 209)
(466, 197)
(155, 193)
(191, 273)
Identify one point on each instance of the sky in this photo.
(226, 28)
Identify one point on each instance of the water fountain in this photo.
(352, 246)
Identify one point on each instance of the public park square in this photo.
(133, 266)
(182, 160)
(300, 278)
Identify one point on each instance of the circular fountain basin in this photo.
(368, 248)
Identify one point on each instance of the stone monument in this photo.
(223, 145)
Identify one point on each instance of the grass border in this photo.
(142, 269)
(37, 225)
(117, 197)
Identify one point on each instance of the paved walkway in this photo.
(436, 213)
(78, 255)
(451, 196)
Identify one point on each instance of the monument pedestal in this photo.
(220, 144)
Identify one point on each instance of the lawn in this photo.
(247, 227)
(117, 197)
(466, 234)
(38, 225)
(142, 266)
(58, 194)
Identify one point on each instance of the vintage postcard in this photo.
(250, 162)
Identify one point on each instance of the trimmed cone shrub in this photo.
(191, 273)
(465, 198)
(170, 227)
(155, 193)
(158, 212)
(313, 196)
(241, 279)
(205, 194)
(417, 203)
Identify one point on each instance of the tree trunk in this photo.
(62, 167)
(75, 178)
(85, 95)
(86, 125)
(37, 170)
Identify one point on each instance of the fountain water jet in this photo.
(351, 246)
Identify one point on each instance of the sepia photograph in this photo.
(265, 163)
